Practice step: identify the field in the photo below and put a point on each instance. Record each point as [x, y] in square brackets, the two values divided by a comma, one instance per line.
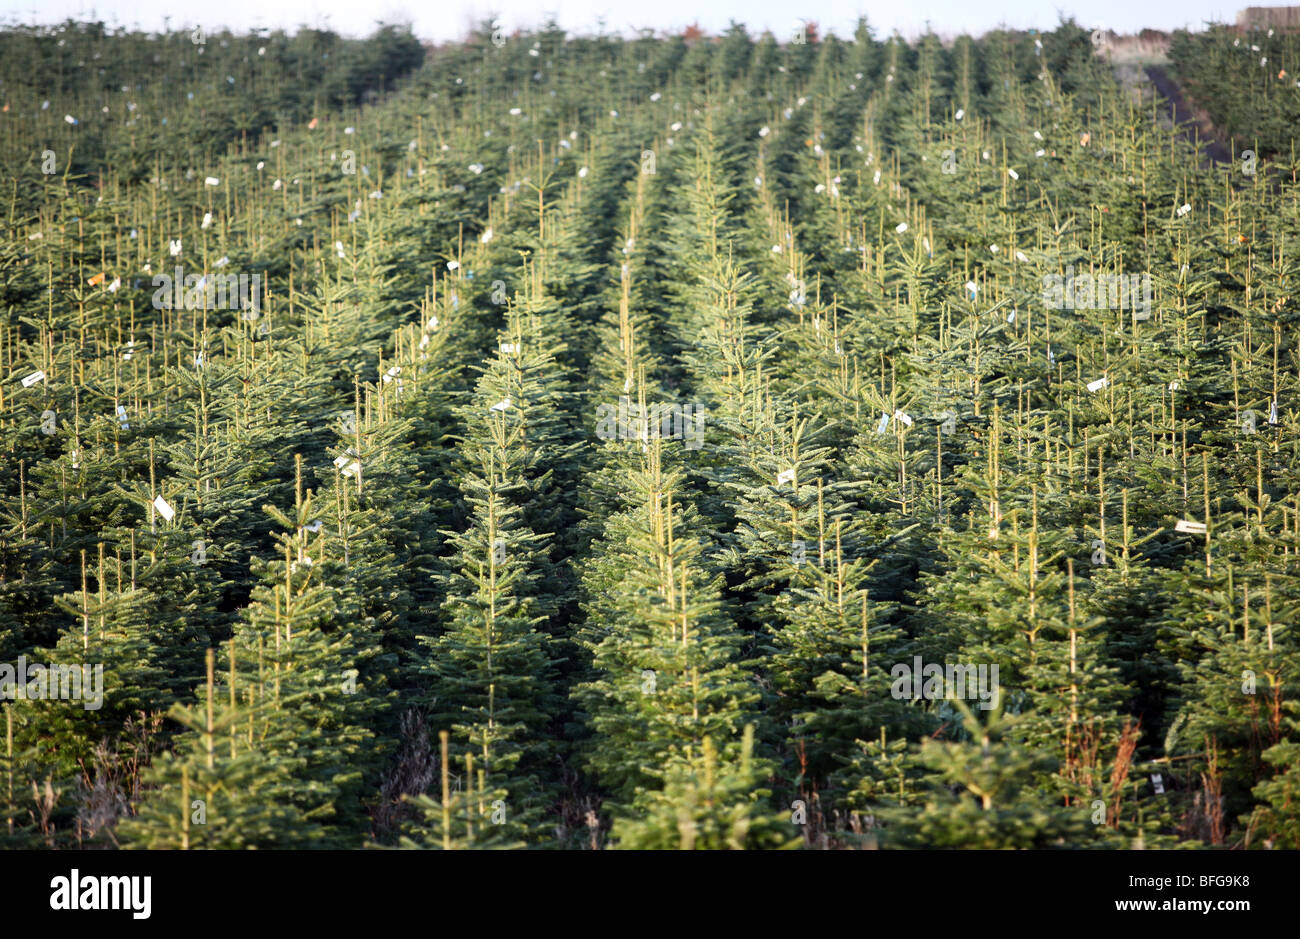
[582, 442]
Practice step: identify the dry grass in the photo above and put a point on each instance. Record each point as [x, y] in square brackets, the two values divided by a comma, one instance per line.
[1145, 49]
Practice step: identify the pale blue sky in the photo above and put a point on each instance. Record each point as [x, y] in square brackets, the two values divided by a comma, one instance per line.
[449, 19]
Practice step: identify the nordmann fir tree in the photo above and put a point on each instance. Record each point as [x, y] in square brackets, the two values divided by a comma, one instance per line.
[220, 788]
[490, 672]
[666, 673]
[306, 661]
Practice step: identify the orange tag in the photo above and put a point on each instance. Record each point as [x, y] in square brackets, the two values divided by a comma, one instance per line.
[97, 279]
[312, 125]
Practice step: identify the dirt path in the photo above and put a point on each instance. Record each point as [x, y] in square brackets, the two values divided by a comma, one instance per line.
[1142, 68]
[1193, 126]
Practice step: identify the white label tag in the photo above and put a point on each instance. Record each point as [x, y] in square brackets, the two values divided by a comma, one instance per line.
[165, 510]
[348, 464]
[1192, 528]
[33, 378]
[900, 416]
[1100, 383]
[785, 476]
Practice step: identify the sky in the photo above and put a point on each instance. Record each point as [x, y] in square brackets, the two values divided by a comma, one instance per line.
[440, 20]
